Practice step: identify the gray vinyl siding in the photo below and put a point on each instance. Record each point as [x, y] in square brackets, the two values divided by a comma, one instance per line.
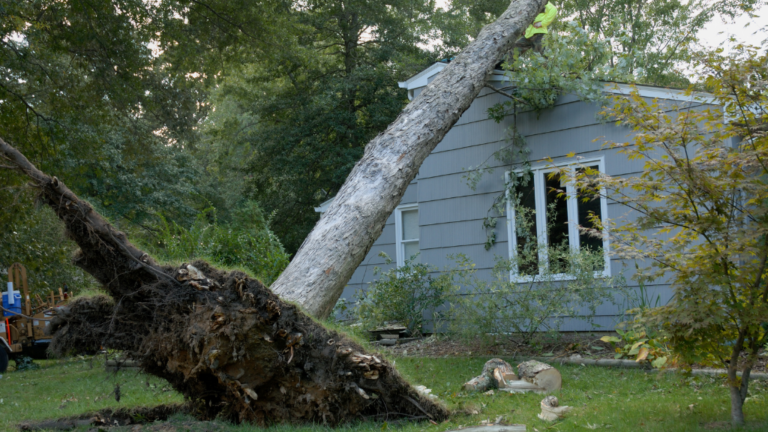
[451, 213]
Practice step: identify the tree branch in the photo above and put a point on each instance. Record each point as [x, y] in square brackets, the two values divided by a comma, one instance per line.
[506, 94]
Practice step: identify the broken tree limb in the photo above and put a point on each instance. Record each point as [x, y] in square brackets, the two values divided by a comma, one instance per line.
[337, 245]
[223, 340]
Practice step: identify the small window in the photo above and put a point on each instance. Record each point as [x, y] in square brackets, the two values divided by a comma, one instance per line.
[407, 231]
[546, 201]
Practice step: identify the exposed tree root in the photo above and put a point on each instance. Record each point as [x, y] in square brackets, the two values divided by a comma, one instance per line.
[225, 341]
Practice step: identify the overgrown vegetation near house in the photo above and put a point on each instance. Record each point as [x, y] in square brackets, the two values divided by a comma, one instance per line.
[525, 300]
[247, 243]
[410, 295]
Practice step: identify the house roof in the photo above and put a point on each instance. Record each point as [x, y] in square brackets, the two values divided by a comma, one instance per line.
[423, 78]
[426, 76]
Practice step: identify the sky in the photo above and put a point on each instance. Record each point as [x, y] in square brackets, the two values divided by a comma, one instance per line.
[717, 32]
[744, 29]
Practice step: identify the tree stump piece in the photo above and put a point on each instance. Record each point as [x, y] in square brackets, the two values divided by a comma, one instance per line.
[496, 374]
[551, 409]
[542, 375]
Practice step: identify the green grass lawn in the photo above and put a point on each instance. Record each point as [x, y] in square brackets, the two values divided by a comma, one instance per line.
[619, 400]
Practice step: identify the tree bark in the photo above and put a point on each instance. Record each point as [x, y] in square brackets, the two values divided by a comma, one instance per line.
[337, 245]
[737, 387]
[737, 405]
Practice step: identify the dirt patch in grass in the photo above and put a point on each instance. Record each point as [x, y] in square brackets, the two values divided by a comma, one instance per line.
[587, 345]
[184, 426]
[108, 418]
[718, 425]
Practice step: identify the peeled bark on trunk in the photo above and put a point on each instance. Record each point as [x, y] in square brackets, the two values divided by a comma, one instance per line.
[225, 341]
[339, 242]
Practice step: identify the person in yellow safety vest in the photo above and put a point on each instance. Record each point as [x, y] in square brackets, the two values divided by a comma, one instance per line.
[534, 34]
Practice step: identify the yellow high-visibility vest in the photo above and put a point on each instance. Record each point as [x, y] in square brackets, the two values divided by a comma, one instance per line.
[546, 18]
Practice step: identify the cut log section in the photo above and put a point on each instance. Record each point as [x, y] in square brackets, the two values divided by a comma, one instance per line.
[496, 374]
[542, 375]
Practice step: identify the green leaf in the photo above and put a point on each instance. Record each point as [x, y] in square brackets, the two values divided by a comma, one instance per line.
[659, 362]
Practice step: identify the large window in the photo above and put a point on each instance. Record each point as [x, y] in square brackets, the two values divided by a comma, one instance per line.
[407, 231]
[545, 209]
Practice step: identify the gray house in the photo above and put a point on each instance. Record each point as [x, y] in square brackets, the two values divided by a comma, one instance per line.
[440, 215]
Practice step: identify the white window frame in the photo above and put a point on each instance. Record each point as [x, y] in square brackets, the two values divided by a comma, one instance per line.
[400, 244]
[539, 183]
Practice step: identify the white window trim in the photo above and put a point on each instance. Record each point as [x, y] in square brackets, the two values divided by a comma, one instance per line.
[400, 244]
[541, 224]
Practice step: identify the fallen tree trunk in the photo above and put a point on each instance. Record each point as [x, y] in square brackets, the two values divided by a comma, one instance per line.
[337, 245]
[228, 343]
[225, 341]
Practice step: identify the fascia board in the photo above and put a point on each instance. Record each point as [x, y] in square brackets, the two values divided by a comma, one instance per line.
[421, 79]
[661, 93]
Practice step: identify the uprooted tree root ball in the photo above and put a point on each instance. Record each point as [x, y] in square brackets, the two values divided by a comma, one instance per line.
[225, 341]
[238, 351]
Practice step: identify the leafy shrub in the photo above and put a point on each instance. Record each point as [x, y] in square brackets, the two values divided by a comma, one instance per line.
[636, 343]
[247, 243]
[640, 340]
[403, 295]
[523, 308]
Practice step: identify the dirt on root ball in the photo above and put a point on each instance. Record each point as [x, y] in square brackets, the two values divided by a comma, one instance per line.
[235, 350]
